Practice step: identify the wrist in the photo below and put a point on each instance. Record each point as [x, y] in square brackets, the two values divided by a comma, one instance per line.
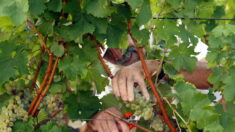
[152, 65]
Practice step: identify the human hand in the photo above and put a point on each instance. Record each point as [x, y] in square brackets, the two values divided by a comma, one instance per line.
[108, 123]
[124, 80]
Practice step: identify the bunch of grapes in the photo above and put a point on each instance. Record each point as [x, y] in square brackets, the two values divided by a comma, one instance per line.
[141, 107]
[52, 103]
[157, 124]
[11, 113]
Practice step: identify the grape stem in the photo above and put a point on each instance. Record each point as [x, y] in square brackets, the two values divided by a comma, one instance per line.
[126, 121]
[148, 77]
[98, 45]
[43, 41]
[174, 111]
[37, 71]
[53, 114]
[46, 89]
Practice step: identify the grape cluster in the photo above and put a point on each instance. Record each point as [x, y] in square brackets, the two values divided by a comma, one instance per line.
[11, 113]
[141, 107]
[53, 103]
[157, 124]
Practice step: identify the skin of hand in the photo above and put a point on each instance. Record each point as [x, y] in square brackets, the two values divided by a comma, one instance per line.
[124, 80]
[108, 125]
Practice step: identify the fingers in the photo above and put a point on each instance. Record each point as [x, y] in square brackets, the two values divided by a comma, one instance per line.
[115, 86]
[122, 87]
[112, 126]
[142, 86]
[123, 126]
[130, 89]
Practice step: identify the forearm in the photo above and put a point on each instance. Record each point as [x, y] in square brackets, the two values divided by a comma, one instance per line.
[199, 77]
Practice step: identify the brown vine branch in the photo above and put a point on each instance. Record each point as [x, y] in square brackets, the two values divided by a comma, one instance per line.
[43, 41]
[134, 124]
[100, 57]
[37, 71]
[43, 84]
[153, 87]
[47, 87]
[53, 114]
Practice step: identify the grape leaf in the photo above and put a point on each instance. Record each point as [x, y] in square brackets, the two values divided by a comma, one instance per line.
[109, 101]
[20, 126]
[82, 105]
[135, 3]
[75, 31]
[142, 36]
[181, 59]
[73, 66]
[99, 8]
[36, 7]
[15, 9]
[11, 64]
[55, 5]
[145, 13]
[46, 27]
[4, 99]
[115, 35]
[223, 30]
[229, 90]
[57, 49]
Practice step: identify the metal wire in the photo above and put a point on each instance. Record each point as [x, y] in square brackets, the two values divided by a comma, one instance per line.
[193, 19]
[183, 18]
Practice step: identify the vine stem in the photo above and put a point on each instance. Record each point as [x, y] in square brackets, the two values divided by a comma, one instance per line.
[43, 41]
[53, 114]
[126, 121]
[43, 84]
[174, 111]
[37, 71]
[98, 45]
[46, 89]
[159, 68]
[148, 77]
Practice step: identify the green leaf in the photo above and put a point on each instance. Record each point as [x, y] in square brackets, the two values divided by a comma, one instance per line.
[180, 56]
[223, 30]
[229, 89]
[55, 5]
[83, 105]
[145, 13]
[73, 66]
[13, 61]
[77, 30]
[20, 126]
[57, 88]
[4, 100]
[109, 101]
[15, 9]
[46, 27]
[115, 35]
[36, 7]
[99, 8]
[57, 49]
[142, 36]
[5, 22]
[135, 3]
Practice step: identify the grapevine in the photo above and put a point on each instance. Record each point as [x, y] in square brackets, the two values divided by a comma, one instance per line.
[56, 55]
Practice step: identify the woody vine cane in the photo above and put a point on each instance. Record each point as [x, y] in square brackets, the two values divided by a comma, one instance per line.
[49, 74]
[148, 77]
